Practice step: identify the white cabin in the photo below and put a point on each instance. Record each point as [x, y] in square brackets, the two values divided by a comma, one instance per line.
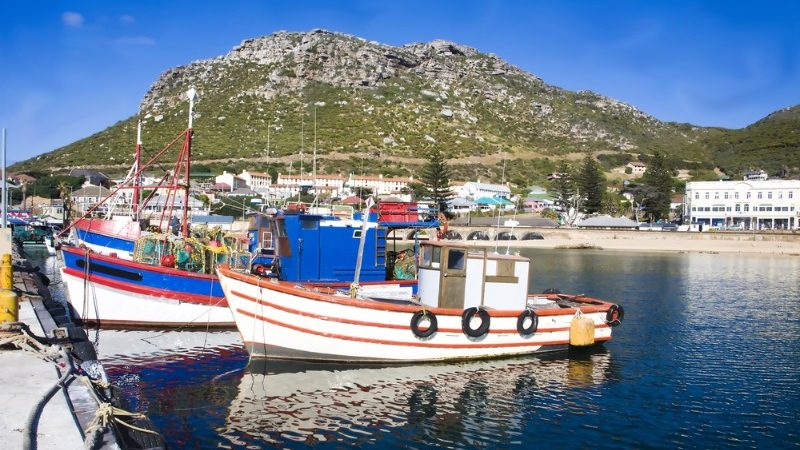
[457, 277]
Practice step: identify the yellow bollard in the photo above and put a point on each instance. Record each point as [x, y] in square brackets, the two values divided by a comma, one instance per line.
[9, 306]
[6, 274]
[581, 331]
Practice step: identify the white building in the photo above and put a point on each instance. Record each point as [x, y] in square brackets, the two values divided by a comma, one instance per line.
[380, 185]
[747, 204]
[475, 190]
[257, 181]
[232, 180]
[637, 168]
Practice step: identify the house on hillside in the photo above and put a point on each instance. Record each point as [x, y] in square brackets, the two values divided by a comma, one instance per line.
[231, 180]
[88, 196]
[637, 168]
[90, 176]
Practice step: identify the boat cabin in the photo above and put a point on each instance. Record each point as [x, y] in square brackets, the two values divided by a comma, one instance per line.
[453, 276]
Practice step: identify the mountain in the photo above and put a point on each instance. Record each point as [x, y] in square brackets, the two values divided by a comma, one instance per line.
[379, 108]
[772, 144]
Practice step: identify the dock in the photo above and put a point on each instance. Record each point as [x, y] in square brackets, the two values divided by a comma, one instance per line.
[56, 393]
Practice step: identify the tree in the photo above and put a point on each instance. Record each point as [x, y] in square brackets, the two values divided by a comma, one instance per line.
[435, 176]
[592, 185]
[658, 178]
[563, 186]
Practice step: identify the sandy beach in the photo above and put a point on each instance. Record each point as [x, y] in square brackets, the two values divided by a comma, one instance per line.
[656, 241]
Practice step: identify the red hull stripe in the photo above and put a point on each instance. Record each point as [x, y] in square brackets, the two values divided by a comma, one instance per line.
[379, 325]
[171, 325]
[399, 343]
[289, 288]
[162, 293]
[137, 265]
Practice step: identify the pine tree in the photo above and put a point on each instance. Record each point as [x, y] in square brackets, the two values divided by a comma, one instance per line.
[591, 183]
[658, 178]
[435, 176]
[563, 186]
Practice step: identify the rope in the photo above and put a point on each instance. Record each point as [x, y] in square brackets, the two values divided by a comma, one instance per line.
[29, 344]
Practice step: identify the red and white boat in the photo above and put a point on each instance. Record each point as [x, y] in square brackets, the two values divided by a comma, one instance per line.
[470, 304]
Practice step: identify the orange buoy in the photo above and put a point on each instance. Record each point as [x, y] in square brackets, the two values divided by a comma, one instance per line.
[581, 331]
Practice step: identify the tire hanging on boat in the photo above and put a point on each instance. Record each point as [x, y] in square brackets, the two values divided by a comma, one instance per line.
[532, 327]
[615, 315]
[417, 319]
[466, 320]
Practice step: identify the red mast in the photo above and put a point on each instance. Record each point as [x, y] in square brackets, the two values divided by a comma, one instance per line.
[185, 225]
[137, 177]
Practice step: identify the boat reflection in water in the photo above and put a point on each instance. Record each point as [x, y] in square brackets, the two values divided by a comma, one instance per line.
[458, 403]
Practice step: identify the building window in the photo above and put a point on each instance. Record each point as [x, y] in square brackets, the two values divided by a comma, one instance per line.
[694, 209]
[716, 195]
[736, 195]
[748, 195]
[746, 207]
[790, 194]
[728, 209]
[769, 194]
[738, 208]
[780, 194]
[697, 196]
[760, 195]
[726, 196]
[707, 194]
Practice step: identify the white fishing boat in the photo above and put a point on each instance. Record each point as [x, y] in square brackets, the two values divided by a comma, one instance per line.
[470, 304]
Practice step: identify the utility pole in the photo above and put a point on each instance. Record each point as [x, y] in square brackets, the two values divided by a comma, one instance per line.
[5, 184]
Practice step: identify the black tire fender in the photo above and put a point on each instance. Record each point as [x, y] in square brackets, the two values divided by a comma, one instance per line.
[614, 315]
[466, 319]
[417, 319]
[530, 329]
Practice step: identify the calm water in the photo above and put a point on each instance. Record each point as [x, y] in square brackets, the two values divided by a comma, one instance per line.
[708, 356]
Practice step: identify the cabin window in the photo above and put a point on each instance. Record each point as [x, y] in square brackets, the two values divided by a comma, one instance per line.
[504, 272]
[280, 228]
[426, 256]
[356, 234]
[456, 259]
[436, 256]
[266, 239]
[310, 224]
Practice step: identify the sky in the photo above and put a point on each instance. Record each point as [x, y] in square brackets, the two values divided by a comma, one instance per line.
[69, 69]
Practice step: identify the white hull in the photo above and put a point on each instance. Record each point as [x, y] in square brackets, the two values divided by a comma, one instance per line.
[116, 307]
[279, 320]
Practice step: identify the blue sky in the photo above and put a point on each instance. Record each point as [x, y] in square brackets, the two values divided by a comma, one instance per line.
[69, 69]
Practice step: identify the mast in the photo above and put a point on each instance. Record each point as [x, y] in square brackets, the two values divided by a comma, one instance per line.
[315, 147]
[137, 179]
[302, 138]
[185, 225]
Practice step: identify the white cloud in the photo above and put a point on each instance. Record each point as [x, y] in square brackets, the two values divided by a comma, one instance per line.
[127, 18]
[72, 19]
[135, 40]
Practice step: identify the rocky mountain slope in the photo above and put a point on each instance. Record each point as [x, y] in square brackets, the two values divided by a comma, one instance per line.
[371, 107]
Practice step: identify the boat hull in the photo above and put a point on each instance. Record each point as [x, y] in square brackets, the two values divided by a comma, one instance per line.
[283, 321]
[108, 237]
[116, 293]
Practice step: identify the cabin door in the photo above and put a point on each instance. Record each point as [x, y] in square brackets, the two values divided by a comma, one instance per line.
[453, 277]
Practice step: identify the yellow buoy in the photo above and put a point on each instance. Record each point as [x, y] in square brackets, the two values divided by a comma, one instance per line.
[6, 274]
[9, 306]
[581, 331]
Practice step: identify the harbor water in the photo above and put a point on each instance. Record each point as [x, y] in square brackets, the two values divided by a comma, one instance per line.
[708, 357]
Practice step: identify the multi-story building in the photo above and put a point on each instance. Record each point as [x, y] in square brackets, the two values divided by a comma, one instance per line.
[475, 190]
[746, 204]
[321, 180]
[380, 185]
[257, 181]
[231, 180]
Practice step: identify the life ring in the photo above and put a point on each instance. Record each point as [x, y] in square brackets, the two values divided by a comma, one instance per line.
[532, 327]
[466, 320]
[417, 319]
[615, 315]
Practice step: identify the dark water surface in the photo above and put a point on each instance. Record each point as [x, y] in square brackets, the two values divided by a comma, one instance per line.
[708, 356]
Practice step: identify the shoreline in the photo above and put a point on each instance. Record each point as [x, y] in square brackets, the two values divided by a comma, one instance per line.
[652, 241]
